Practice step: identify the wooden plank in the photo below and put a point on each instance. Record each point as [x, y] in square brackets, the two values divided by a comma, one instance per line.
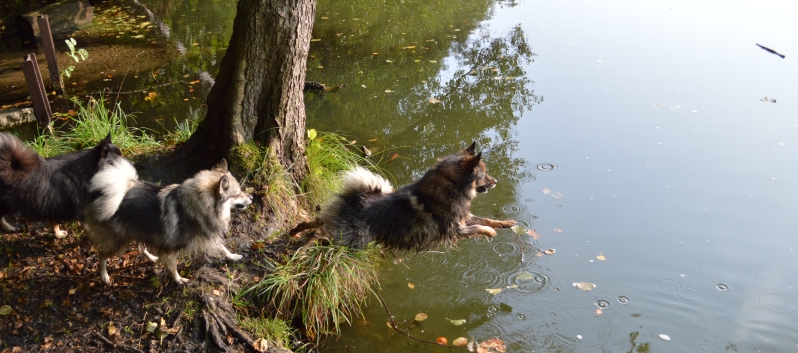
[49, 52]
[33, 78]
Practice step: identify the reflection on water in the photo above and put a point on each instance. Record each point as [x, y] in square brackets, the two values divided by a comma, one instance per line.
[653, 166]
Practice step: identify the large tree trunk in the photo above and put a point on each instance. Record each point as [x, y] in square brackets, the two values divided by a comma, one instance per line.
[258, 91]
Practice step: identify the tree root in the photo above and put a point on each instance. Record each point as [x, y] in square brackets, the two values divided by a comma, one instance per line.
[220, 321]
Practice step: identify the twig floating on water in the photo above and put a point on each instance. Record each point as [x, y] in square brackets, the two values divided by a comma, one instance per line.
[771, 51]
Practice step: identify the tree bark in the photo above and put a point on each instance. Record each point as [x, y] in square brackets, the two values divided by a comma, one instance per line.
[258, 91]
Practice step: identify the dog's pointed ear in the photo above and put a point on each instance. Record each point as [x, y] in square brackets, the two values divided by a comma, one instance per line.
[107, 139]
[473, 162]
[224, 184]
[471, 149]
[221, 166]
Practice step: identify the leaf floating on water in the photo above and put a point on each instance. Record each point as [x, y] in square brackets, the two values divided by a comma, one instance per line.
[664, 337]
[533, 233]
[494, 291]
[394, 156]
[658, 105]
[584, 285]
[524, 276]
[457, 322]
[411, 285]
[373, 140]
[598, 312]
[557, 230]
[315, 40]
[388, 61]
[556, 195]
[352, 142]
[601, 257]
[433, 61]
[513, 286]
[492, 345]
[460, 342]
[388, 91]
[421, 317]
[546, 191]
[549, 251]
[434, 100]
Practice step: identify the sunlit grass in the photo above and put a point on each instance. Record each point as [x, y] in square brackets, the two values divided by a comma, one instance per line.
[276, 331]
[324, 286]
[94, 121]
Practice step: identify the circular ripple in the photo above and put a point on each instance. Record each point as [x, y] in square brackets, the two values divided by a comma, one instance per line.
[776, 302]
[505, 319]
[704, 348]
[546, 167]
[505, 248]
[623, 299]
[525, 222]
[529, 200]
[704, 268]
[666, 230]
[722, 287]
[708, 339]
[513, 209]
[521, 279]
[558, 205]
[521, 317]
[602, 304]
[688, 294]
[486, 277]
[669, 285]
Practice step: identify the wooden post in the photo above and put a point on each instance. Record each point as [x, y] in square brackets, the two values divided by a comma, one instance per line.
[33, 78]
[49, 52]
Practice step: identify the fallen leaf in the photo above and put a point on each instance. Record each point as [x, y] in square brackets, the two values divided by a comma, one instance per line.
[524, 276]
[442, 340]
[434, 101]
[388, 61]
[420, 317]
[534, 234]
[664, 337]
[372, 140]
[557, 230]
[494, 291]
[598, 312]
[546, 191]
[151, 326]
[111, 329]
[457, 322]
[389, 324]
[433, 61]
[394, 156]
[460, 342]
[584, 285]
[352, 142]
[388, 91]
[493, 344]
[260, 345]
[5, 310]
[411, 285]
[169, 331]
[601, 257]
[549, 251]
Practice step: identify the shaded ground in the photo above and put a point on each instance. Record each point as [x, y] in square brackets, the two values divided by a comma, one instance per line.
[58, 303]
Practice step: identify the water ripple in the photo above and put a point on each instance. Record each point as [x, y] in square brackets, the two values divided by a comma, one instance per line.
[546, 167]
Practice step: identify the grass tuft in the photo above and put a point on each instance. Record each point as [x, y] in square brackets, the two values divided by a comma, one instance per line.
[324, 286]
[276, 331]
[94, 121]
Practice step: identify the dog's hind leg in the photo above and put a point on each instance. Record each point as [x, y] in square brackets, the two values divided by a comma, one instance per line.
[104, 270]
[170, 260]
[149, 256]
[489, 222]
[477, 229]
[57, 230]
[7, 227]
[305, 226]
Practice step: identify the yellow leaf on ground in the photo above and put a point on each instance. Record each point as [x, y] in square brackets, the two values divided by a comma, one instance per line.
[260, 345]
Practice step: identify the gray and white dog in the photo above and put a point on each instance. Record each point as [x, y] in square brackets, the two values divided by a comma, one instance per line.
[167, 220]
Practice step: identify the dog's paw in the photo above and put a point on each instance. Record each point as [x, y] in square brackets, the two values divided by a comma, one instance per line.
[149, 256]
[7, 227]
[235, 257]
[507, 223]
[181, 280]
[487, 231]
[59, 233]
[104, 277]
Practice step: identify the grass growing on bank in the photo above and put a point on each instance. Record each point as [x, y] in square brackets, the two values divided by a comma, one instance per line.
[328, 155]
[324, 286]
[94, 120]
[276, 331]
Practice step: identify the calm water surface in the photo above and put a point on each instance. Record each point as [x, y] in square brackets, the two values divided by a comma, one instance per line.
[632, 137]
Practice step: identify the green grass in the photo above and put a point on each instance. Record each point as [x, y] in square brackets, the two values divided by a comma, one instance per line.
[324, 286]
[276, 331]
[94, 121]
[328, 156]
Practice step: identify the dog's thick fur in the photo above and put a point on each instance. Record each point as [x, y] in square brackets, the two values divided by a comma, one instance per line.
[168, 221]
[434, 210]
[52, 189]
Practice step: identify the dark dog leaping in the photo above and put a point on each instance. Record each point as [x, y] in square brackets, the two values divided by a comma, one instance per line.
[434, 210]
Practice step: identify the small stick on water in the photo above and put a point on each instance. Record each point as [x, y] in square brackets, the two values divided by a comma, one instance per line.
[395, 326]
[770, 50]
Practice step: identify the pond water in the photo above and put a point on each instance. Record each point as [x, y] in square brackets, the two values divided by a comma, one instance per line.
[634, 138]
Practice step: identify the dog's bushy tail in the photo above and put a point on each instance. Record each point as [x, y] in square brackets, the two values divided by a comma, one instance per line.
[110, 185]
[16, 158]
[361, 180]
